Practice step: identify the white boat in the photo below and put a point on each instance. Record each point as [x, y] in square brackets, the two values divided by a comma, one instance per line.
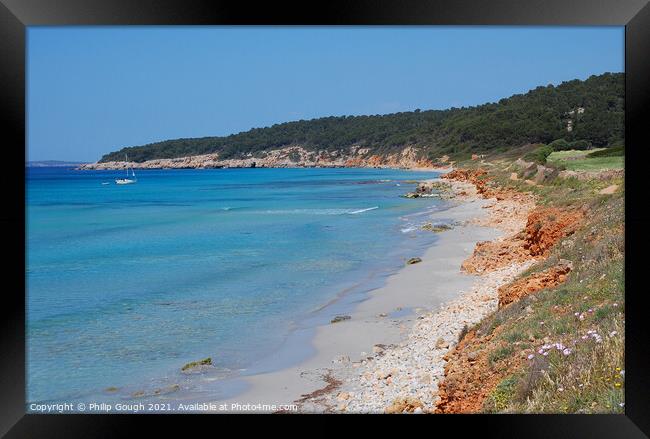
[127, 180]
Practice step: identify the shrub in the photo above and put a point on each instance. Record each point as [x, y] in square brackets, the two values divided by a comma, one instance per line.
[560, 145]
[615, 151]
[540, 154]
[580, 144]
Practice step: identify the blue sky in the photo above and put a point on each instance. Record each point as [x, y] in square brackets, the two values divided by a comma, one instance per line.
[92, 90]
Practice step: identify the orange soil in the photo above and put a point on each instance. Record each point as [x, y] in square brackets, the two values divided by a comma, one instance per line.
[545, 227]
[538, 281]
[469, 375]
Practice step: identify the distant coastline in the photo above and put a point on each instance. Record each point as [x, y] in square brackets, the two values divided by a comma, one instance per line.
[52, 164]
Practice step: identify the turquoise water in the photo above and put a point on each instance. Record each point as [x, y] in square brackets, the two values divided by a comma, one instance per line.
[125, 284]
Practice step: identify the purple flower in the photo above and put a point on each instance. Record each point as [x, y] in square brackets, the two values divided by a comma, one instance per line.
[567, 351]
[531, 356]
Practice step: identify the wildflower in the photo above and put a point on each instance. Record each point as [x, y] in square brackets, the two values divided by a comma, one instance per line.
[531, 356]
[591, 310]
[617, 384]
[545, 354]
[622, 404]
[613, 333]
[541, 351]
[582, 317]
[576, 314]
[580, 385]
[541, 323]
[615, 304]
[584, 337]
[567, 351]
[623, 373]
[560, 389]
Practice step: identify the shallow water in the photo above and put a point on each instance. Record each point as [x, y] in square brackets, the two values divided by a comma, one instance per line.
[125, 284]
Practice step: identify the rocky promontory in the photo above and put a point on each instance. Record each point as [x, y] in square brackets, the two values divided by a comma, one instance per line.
[287, 157]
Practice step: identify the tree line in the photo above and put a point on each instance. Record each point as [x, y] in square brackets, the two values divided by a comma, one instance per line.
[587, 114]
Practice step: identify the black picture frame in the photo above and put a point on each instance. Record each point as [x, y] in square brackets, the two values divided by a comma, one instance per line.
[16, 15]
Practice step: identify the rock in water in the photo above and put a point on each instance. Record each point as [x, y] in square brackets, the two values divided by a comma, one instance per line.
[197, 366]
[436, 228]
[413, 261]
[340, 319]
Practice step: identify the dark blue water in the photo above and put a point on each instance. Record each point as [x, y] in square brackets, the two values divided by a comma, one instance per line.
[125, 284]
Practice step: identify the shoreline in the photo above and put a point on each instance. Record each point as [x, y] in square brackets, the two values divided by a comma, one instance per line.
[383, 324]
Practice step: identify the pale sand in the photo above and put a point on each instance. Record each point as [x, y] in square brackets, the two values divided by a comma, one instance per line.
[422, 287]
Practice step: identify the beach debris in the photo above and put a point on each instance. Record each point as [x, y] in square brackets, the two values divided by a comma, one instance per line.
[341, 359]
[111, 389]
[197, 366]
[412, 261]
[343, 396]
[338, 319]
[441, 343]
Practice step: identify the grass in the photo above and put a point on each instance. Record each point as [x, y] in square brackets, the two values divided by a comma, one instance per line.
[595, 164]
[570, 154]
[575, 160]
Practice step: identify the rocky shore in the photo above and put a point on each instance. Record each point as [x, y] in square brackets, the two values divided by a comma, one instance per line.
[287, 157]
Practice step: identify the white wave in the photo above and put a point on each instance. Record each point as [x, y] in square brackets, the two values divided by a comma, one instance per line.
[332, 211]
[354, 212]
[305, 212]
[408, 229]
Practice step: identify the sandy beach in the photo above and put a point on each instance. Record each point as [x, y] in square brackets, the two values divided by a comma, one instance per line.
[378, 355]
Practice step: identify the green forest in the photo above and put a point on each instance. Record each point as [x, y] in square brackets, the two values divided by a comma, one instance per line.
[538, 116]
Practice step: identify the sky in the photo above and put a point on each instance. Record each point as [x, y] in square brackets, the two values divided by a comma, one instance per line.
[93, 90]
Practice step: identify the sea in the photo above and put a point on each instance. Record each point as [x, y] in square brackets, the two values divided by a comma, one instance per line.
[125, 284]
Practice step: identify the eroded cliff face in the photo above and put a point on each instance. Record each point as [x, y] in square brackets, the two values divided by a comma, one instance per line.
[288, 157]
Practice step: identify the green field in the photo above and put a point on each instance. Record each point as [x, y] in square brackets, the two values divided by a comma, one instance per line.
[578, 161]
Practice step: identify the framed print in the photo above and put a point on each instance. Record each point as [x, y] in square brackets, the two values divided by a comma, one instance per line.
[379, 209]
